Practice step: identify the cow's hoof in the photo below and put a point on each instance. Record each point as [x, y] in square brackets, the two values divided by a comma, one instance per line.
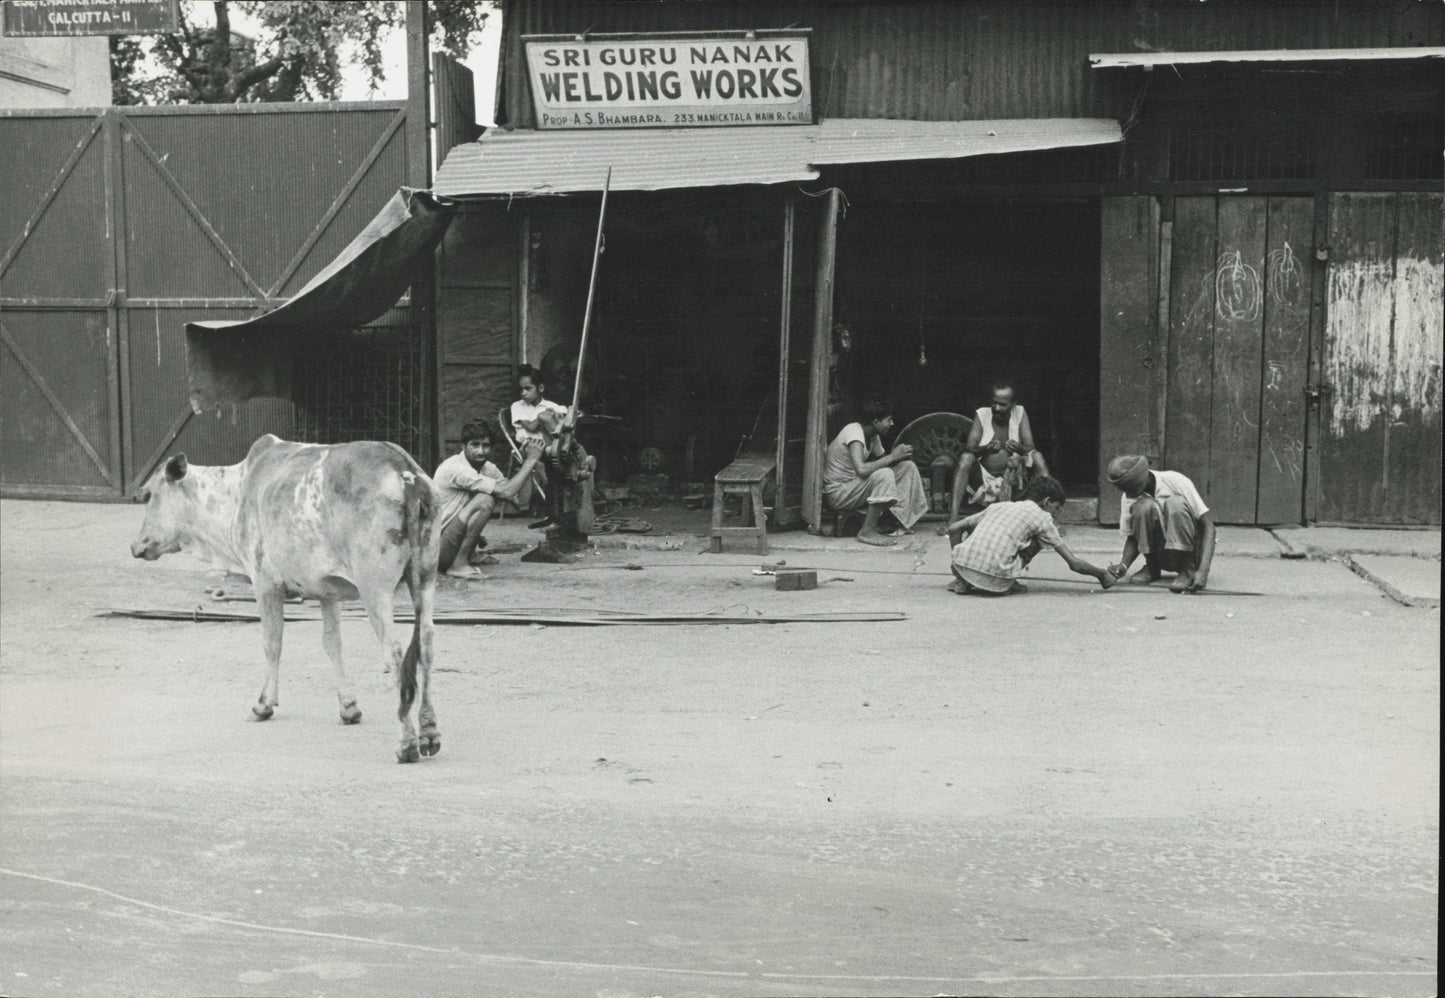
[430, 744]
[408, 753]
[262, 712]
[350, 713]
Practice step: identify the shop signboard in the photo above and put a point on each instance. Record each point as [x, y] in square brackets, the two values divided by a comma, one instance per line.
[670, 80]
[84, 17]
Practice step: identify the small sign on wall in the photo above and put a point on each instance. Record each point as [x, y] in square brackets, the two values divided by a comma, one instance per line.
[83, 17]
[670, 80]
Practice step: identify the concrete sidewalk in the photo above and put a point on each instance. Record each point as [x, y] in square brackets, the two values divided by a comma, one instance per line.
[1404, 564]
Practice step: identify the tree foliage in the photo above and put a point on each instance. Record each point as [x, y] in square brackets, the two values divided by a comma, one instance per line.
[298, 53]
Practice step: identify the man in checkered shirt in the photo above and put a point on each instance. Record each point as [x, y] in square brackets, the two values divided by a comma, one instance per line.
[1003, 539]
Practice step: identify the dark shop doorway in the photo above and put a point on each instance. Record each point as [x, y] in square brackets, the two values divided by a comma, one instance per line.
[939, 300]
[685, 332]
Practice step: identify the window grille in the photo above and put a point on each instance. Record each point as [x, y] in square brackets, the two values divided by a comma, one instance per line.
[1268, 149]
[367, 385]
[1405, 147]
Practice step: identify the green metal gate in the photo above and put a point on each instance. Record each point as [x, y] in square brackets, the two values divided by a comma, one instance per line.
[120, 226]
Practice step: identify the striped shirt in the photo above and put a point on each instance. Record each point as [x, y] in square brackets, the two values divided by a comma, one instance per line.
[989, 556]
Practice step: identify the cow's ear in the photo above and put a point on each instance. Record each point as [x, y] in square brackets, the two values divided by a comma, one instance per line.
[176, 468]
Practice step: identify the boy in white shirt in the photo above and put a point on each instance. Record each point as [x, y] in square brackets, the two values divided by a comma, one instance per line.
[533, 416]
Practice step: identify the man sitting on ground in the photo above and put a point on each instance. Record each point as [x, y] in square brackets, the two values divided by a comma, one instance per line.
[471, 486]
[859, 474]
[1004, 538]
[1001, 445]
[1163, 517]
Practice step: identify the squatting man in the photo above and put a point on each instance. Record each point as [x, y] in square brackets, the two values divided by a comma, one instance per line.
[471, 486]
[1162, 517]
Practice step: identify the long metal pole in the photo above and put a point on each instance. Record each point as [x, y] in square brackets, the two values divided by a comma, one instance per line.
[591, 291]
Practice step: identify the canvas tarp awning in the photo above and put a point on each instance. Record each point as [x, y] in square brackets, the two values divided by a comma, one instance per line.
[230, 361]
[526, 162]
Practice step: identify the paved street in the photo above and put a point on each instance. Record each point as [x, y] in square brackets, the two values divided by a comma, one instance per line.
[1067, 792]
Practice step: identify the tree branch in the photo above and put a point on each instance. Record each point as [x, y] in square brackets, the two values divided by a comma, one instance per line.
[253, 76]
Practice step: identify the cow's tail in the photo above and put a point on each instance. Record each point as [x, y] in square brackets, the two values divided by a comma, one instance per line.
[418, 517]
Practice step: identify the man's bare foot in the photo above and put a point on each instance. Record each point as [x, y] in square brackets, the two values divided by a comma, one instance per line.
[1142, 577]
[1181, 582]
[463, 571]
[876, 539]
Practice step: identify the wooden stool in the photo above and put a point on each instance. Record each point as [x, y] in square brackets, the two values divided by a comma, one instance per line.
[745, 477]
[836, 521]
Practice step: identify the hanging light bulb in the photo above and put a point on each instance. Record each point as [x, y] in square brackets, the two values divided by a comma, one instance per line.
[922, 356]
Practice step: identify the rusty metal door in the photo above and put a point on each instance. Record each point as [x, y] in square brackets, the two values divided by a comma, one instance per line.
[1380, 394]
[1238, 352]
[1133, 241]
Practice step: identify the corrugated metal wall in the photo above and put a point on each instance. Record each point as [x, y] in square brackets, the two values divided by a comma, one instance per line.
[946, 61]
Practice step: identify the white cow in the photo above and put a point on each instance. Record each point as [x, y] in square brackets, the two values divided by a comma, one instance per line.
[331, 522]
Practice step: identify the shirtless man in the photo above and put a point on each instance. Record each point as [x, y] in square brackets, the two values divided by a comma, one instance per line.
[1163, 517]
[1001, 443]
[858, 473]
[471, 486]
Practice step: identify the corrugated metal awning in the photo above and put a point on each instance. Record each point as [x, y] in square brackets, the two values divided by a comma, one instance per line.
[525, 162]
[1104, 60]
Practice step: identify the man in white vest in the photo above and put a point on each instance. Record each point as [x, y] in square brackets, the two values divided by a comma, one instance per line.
[1001, 446]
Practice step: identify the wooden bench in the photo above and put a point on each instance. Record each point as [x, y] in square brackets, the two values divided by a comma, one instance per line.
[746, 477]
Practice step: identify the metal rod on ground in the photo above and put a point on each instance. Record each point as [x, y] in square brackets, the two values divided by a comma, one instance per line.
[1118, 587]
[1127, 587]
[591, 292]
[201, 615]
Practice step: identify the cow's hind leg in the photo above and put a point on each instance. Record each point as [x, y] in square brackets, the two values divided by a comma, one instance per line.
[379, 609]
[423, 600]
[331, 641]
[271, 600]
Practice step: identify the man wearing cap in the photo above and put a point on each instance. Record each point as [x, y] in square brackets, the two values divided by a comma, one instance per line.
[1163, 517]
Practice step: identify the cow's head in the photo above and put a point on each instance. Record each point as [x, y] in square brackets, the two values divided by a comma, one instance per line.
[169, 510]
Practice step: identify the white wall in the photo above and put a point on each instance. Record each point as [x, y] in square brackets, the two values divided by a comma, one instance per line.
[54, 72]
